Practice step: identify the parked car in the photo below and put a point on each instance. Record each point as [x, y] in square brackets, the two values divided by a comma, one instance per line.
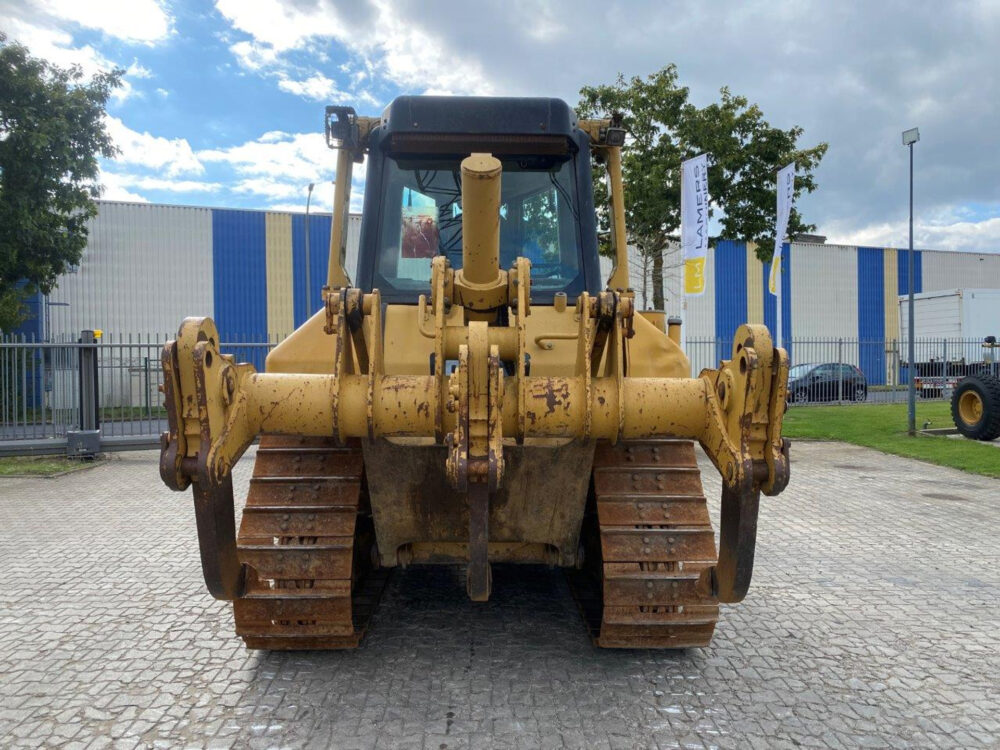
[826, 382]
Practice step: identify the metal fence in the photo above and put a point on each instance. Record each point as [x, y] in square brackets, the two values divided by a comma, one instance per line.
[40, 386]
[40, 382]
[844, 370]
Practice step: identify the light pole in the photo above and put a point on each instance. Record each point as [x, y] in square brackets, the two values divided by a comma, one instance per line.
[910, 137]
[308, 292]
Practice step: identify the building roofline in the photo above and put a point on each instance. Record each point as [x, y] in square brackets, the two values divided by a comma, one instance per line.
[150, 204]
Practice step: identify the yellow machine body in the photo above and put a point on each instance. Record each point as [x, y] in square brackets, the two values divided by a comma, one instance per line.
[473, 425]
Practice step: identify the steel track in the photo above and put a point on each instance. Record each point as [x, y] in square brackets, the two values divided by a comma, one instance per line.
[646, 538]
[308, 541]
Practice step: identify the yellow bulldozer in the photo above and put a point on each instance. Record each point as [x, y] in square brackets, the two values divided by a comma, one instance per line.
[477, 395]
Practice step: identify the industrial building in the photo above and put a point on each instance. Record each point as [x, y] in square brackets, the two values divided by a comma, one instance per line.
[148, 266]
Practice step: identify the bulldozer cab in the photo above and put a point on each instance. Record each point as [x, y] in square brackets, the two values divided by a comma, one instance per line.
[413, 193]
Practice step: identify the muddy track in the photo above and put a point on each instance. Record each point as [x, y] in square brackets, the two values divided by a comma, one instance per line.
[646, 538]
[308, 541]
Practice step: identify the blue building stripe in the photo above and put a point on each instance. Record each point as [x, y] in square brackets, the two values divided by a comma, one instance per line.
[32, 328]
[239, 265]
[319, 255]
[871, 314]
[903, 268]
[29, 384]
[730, 292]
[771, 302]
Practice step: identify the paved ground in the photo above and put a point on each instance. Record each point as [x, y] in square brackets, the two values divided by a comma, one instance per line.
[874, 620]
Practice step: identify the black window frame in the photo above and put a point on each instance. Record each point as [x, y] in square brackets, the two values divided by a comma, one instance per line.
[368, 249]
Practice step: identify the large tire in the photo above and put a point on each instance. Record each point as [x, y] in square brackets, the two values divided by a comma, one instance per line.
[975, 407]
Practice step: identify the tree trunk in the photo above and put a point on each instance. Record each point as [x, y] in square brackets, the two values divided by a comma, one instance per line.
[658, 303]
[645, 280]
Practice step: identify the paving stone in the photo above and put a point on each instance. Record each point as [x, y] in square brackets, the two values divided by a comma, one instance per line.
[873, 621]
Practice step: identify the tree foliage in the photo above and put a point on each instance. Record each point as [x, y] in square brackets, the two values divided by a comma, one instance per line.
[51, 136]
[664, 128]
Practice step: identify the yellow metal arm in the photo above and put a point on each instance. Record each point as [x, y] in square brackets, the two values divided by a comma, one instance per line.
[619, 274]
[734, 411]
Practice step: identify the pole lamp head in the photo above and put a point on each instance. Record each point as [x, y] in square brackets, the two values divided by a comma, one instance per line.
[311, 186]
[911, 136]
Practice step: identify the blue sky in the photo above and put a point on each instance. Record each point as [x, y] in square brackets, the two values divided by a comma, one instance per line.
[224, 100]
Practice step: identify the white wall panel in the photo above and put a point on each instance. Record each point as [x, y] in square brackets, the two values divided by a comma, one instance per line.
[971, 314]
[638, 270]
[824, 291]
[353, 243]
[641, 279]
[146, 267]
[606, 265]
[945, 270]
[700, 316]
[936, 315]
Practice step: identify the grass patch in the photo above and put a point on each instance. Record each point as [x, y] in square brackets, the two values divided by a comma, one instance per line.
[883, 427]
[118, 413]
[39, 466]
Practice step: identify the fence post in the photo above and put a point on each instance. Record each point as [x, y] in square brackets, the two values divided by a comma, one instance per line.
[85, 442]
[840, 370]
[897, 369]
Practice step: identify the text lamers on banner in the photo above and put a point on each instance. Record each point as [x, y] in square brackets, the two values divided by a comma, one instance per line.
[694, 222]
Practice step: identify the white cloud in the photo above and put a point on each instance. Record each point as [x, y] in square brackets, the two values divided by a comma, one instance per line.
[309, 84]
[138, 71]
[54, 45]
[146, 182]
[317, 87]
[41, 28]
[254, 56]
[946, 231]
[174, 156]
[383, 42]
[136, 21]
[302, 156]
[276, 168]
[115, 189]
[273, 189]
[281, 26]
[120, 186]
[545, 25]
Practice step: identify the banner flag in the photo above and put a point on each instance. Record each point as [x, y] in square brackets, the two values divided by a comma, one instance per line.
[694, 223]
[786, 192]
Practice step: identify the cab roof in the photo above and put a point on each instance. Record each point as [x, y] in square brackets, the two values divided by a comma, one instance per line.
[486, 115]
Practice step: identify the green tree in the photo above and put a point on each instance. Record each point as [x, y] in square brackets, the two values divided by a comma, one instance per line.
[664, 128]
[51, 135]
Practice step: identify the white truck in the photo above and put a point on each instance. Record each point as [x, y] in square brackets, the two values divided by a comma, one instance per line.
[955, 334]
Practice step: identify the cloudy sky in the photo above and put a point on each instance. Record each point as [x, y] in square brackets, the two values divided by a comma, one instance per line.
[223, 101]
